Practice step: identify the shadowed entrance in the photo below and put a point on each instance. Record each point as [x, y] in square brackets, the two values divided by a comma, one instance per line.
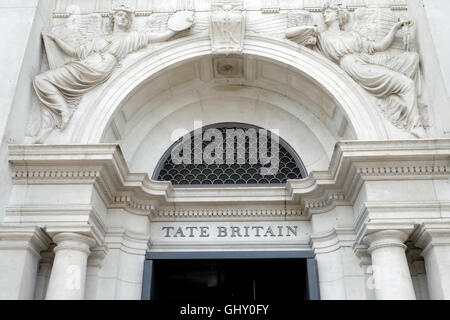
[249, 276]
[249, 280]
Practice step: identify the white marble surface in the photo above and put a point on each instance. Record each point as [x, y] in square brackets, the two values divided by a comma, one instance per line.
[392, 278]
[68, 276]
[355, 188]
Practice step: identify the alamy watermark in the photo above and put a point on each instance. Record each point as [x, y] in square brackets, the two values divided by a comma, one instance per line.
[235, 147]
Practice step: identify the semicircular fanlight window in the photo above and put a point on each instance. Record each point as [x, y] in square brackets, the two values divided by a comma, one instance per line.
[229, 154]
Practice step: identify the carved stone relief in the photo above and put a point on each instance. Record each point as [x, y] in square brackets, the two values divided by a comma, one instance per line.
[270, 6]
[227, 39]
[83, 52]
[227, 27]
[377, 52]
[376, 49]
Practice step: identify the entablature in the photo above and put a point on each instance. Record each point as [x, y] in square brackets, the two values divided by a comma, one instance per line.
[353, 164]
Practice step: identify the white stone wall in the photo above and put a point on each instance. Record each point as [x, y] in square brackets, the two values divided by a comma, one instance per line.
[360, 204]
[21, 60]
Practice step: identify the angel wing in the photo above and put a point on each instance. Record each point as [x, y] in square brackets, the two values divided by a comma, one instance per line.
[274, 25]
[375, 23]
[157, 22]
[300, 18]
[201, 24]
[75, 31]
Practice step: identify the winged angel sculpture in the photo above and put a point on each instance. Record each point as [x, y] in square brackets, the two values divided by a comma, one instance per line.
[372, 54]
[87, 56]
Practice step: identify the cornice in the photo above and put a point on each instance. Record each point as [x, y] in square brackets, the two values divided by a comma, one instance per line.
[352, 163]
[431, 234]
[59, 218]
[30, 238]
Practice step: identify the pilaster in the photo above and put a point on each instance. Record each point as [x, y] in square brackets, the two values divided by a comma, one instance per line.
[20, 248]
[434, 238]
[44, 272]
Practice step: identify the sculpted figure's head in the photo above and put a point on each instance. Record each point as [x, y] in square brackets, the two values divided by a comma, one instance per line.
[332, 13]
[122, 18]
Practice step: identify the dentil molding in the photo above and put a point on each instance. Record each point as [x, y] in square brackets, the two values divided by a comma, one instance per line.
[354, 162]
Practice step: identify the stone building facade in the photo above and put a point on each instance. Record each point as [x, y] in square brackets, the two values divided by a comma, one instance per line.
[96, 95]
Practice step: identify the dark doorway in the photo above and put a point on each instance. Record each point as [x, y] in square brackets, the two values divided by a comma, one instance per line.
[250, 280]
[227, 276]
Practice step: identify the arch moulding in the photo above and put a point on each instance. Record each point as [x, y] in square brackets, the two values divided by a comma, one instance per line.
[358, 107]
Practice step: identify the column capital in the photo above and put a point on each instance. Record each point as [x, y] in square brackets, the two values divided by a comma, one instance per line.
[431, 234]
[386, 238]
[73, 241]
[14, 237]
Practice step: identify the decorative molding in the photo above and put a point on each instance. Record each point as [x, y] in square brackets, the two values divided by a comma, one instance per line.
[227, 27]
[386, 238]
[353, 5]
[73, 241]
[227, 213]
[143, 13]
[364, 119]
[325, 242]
[83, 219]
[431, 234]
[270, 6]
[347, 236]
[398, 5]
[352, 164]
[326, 203]
[416, 170]
[19, 237]
[61, 15]
[133, 206]
[126, 241]
[52, 175]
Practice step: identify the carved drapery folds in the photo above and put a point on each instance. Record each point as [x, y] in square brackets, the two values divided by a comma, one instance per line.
[376, 52]
[83, 52]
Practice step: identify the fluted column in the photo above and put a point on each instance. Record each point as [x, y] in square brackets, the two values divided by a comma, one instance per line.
[390, 267]
[68, 277]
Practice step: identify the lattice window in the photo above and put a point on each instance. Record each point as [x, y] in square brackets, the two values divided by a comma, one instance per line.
[239, 173]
